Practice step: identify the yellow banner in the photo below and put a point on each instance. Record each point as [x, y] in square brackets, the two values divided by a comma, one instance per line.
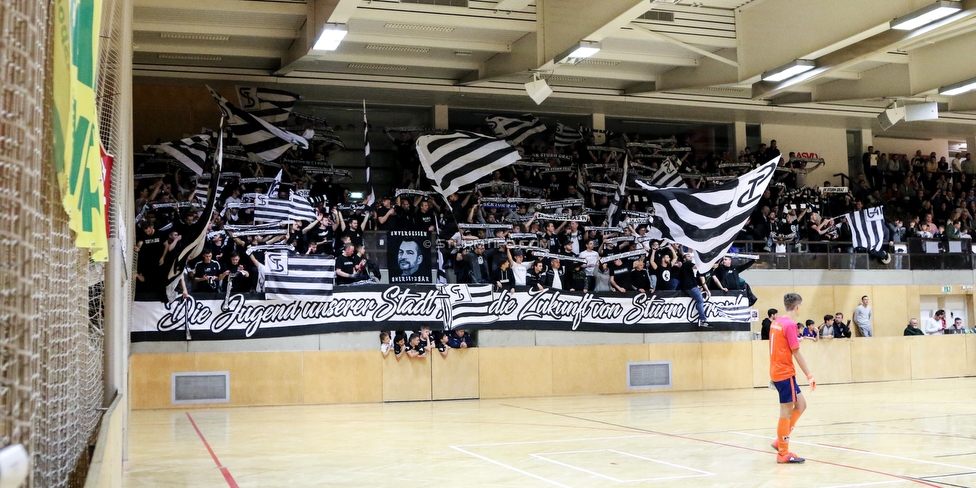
[77, 155]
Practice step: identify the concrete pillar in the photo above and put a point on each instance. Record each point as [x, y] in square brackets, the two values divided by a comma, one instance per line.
[970, 145]
[440, 117]
[867, 139]
[599, 124]
[740, 138]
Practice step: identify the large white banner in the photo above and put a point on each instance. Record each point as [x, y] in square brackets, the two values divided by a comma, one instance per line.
[400, 307]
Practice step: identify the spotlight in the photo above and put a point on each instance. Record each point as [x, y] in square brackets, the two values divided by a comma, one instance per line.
[579, 52]
[926, 15]
[330, 38]
[538, 89]
[789, 70]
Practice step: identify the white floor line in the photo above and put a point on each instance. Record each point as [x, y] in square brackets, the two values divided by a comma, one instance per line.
[557, 440]
[875, 483]
[954, 466]
[703, 473]
[498, 463]
[577, 468]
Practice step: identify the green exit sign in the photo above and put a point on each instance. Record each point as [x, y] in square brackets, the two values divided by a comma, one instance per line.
[946, 289]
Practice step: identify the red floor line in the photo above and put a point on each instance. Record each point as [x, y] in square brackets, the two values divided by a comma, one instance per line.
[224, 471]
[734, 446]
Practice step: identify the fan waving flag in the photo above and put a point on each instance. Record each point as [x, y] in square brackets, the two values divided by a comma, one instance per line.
[867, 228]
[291, 277]
[515, 129]
[191, 152]
[260, 139]
[566, 136]
[371, 197]
[667, 176]
[459, 158]
[273, 106]
[708, 220]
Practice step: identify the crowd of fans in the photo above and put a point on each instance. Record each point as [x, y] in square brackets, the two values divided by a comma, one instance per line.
[542, 222]
[419, 343]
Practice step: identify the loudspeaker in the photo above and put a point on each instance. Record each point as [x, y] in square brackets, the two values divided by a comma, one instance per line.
[922, 111]
[538, 91]
[891, 117]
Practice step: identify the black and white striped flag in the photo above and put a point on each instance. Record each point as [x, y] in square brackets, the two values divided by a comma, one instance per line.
[471, 309]
[515, 129]
[867, 228]
[296, 207]
[460, 158]
[273, 106]
[707, 220]
[291, 277]
[202, 189]
[371, 197]
[273, 187]
[260, 139]
[616, 205]
[191, 152]
[667, 176]
[566, 136]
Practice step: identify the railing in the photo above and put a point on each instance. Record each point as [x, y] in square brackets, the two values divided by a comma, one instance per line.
[914, 257]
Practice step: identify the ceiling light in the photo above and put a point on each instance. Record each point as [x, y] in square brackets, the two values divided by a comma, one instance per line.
[789, 70]
[926, 15]
[579, 52]
[330, 37]
[958, 88]
[538, 89]
[670, 2]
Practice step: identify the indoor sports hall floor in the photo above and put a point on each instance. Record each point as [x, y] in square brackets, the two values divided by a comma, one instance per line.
[907, 433]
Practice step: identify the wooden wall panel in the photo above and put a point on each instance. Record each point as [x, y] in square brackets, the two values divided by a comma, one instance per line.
[881, 359]
[508, 372]
[343, 377]
[939, 356]
[686, 363]
[829, 360]
[165, 120]
[150, 378]
[769, 297]
[971, 355]
[455, 376]
[889, 305]
[585, 370]
[848, 297]
[817, 302]
[407, 379]
[760, 363]
[726, 365]
[258, 378]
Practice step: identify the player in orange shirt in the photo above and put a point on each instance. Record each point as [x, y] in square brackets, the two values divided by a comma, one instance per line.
[784, 347]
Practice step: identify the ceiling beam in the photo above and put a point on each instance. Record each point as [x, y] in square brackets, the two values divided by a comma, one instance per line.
[213, 49]
[277, 8]
[947, 62]
[397, 60]
[677, 42]
[710, 72]
[645, 58]
[220, 30]
[890, 80]
[629, 32]
[607, 74]
[438, 17]
[456, 45]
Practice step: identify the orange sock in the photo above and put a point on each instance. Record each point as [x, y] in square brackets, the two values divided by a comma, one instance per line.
[793, 419]
[783, 433]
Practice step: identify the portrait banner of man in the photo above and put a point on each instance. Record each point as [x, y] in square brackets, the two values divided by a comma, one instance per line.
[408, 256]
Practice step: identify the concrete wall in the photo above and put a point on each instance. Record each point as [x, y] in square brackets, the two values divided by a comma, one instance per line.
[908, 146]
[829, 143]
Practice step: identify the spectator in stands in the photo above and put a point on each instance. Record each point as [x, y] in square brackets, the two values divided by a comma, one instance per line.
[399, 345]
[414, 348]
[207, 273]
[936, 325]
[385, 344]
[592, 262]
[767, 323]
[478, 264]
[348, 265]
[461, 339]
[442, 344]
[535, 279]
[841, 329]
[601, 278]
[620, 276]
[809, 331]
[237, 278]
[912, 329]
[520, 270]
[640, 278]
[692, 283]
[666, 269]
[957, 326]
[826, 329]
[726, 277]
[503, 277]
[862, 317]
[554, 276]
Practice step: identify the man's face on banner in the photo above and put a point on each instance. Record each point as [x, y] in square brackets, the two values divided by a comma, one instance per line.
[409, 257]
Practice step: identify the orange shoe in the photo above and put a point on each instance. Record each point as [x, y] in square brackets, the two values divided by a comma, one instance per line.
[789, 458]
[775, 445]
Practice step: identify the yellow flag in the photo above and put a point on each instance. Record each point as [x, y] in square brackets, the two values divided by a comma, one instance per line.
[77, 155]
